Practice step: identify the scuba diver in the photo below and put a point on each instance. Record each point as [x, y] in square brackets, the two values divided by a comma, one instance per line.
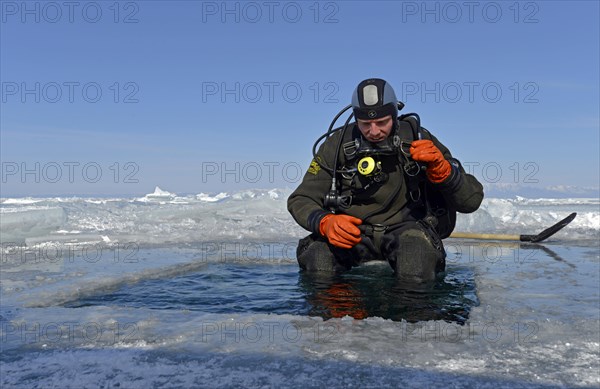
[380, 188]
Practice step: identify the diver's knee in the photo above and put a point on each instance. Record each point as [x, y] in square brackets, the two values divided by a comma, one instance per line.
[416, 255]
[313, 254]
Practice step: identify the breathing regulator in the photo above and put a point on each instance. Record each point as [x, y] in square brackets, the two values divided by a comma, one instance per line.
[373, 99]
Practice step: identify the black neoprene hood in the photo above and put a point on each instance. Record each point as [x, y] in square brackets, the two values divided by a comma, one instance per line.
[373, 99]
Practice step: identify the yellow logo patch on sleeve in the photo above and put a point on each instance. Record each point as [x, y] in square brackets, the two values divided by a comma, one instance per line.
[314, 167]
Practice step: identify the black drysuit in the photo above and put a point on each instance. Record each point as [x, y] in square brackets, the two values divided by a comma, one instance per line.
[388, 204]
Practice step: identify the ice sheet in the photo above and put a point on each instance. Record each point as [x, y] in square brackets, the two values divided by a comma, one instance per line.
[537, 324]
[163, 217]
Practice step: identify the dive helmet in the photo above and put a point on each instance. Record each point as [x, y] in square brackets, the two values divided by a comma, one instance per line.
[374, 98]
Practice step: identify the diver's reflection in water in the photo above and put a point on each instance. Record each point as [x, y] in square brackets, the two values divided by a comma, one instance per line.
[373, 291]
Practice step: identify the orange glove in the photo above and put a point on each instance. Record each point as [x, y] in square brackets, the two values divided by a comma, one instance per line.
[340, 230]
[438, 169]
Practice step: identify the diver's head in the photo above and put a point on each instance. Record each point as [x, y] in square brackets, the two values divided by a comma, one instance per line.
[375, 108]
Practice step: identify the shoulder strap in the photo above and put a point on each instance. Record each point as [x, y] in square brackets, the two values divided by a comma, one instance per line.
[407, 132]
[439, 215]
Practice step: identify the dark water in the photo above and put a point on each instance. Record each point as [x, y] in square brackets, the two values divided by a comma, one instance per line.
[368, 291]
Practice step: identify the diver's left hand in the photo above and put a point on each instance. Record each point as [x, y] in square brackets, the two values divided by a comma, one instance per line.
[438, 169]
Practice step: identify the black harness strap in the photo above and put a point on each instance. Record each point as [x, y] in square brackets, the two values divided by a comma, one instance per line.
[412, 170]
[376, 232]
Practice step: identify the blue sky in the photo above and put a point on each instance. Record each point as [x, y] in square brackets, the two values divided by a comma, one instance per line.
[106, 98]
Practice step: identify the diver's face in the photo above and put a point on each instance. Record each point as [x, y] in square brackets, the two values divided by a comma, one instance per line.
[376, 130]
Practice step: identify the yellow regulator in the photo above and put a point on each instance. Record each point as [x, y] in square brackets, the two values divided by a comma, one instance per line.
[367, 165]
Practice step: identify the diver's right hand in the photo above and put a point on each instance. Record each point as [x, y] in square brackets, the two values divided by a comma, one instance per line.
[341, 230]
